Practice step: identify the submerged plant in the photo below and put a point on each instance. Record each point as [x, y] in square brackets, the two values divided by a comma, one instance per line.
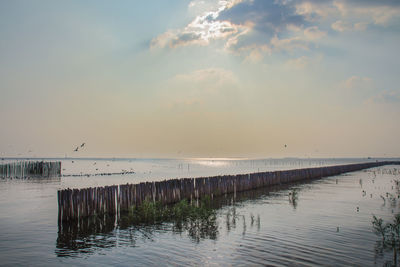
[390, 234]
[199, 220]
[379, 227]
[293, 197]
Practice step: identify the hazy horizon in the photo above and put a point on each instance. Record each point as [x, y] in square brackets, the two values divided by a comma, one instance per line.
[209, 79]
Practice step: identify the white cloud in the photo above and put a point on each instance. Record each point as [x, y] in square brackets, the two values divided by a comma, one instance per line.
[288, 44]
[208, 79]
[313, 33]
[380, 14]
[199, 88]
[357, 82]
[201, 30]
[360, 26]
[383, 15]
[343, 26]
[303, 62]
[314, 11]
[387, 97]
[348, 14]
[256, 53]
[298, 63]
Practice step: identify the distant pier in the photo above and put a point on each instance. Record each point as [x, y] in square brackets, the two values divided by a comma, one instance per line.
[74, 204]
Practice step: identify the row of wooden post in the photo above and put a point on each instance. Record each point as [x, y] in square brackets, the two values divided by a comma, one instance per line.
[23, 169]
[74, 204]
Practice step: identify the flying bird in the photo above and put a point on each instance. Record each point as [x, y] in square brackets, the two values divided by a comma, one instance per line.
[81, 146]
[285, 145]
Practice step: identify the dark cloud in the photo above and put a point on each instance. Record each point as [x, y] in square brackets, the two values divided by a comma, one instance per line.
[268, 16]
[280, 25]
[186, 38]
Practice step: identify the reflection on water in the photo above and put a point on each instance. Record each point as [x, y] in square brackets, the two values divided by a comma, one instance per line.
[90, 234]
[85, 235]
[329, 223]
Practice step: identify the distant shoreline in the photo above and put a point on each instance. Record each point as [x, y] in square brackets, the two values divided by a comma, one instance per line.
[198, 158]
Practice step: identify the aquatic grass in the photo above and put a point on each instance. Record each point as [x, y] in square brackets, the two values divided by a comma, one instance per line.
[379, 227]
[199, 220]
[293, 197]
[390, 234]
[154, 211]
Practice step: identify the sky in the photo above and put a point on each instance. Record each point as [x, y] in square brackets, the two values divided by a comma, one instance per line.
[200, 78]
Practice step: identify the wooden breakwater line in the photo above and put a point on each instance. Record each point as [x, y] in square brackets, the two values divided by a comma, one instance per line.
[99, 174]
[22, 169]
[74, 204]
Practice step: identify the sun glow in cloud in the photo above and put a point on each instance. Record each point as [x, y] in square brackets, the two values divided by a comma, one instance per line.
[203, 29]
[258, 26]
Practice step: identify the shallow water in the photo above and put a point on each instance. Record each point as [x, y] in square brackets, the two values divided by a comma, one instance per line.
[262, 227]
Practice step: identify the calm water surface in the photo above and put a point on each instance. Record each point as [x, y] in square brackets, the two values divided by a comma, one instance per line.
[328, 225]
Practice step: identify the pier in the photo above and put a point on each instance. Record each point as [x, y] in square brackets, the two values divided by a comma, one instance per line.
[74, 204]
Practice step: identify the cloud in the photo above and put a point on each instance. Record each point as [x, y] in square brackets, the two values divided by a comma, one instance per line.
[202, 6]
[314, 11]
[204, 87]
[298, 63]
[201, 30]
[207, 79]
[184, 104]
[342, 26]
[313, 33]
[255, 28]
[381, 15]
[387, 97]
[380, 12]
[303, 62]
[255, 53]
[288, 44]
[268, 17]
[241, 24]
[357, 82]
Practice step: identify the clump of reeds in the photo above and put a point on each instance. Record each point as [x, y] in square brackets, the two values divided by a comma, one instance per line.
[390, 234]
[293, 197]
[198, 219]
[154, 211]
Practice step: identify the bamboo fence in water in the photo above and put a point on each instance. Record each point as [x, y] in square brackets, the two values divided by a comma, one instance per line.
[23, 169]
[74, 204]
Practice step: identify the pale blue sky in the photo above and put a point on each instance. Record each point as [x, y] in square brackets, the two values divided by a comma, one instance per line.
[200, 78]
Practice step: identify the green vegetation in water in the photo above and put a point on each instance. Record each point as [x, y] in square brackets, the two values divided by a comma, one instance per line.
[390, 234]
[198, 219]
[153, 212]
[293, 197]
